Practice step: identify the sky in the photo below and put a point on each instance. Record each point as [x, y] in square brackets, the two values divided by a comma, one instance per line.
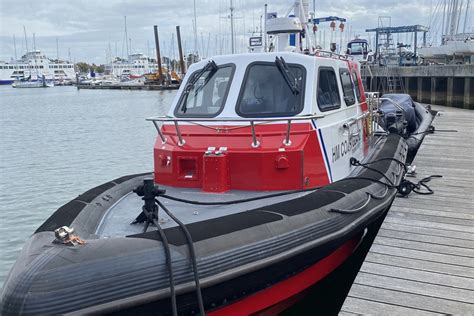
[91, 31]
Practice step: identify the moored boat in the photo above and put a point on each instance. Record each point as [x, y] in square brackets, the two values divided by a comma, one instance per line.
[268, 169]
[40, 82]
[33, 64]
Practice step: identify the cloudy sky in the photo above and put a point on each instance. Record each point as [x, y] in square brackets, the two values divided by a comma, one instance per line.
[88, 29]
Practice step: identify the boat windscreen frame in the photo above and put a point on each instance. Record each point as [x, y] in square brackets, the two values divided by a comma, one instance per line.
[183, 95]
[301, 90]
[364, 45]
[338, 84]
[349, 102]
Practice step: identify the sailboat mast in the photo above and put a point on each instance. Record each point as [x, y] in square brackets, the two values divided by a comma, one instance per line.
[232, 27]
[26, 39]
[466, 16]
[454, 18]
[126, 35]
[444, 16]
[195, 30]
[14, 47]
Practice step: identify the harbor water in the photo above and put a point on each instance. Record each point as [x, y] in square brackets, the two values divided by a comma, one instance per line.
[56, 143]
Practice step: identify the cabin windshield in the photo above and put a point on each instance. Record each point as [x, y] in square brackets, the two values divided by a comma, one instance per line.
[205, 95]
[357, 48]
[266, 92]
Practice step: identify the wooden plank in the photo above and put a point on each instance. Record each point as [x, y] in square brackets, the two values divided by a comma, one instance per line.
[433, 248]
[446, 241]
[455, 202]
[411, 300]
[363, 307]
[425, 205]
[344, 313]
[433, 219]
[419, 275]
[422, 255]
[427, 224]
[423, 211]
[441, 200]
[416, 287]
[427, 231]
[418, 264]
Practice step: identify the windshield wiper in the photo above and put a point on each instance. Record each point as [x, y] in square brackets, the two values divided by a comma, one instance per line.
[288, 75]
[211, 67]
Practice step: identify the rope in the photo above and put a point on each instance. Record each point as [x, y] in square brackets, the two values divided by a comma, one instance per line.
[407, 186]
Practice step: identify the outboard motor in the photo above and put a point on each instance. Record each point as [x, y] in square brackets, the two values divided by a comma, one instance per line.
[397, 114]
[395, 123]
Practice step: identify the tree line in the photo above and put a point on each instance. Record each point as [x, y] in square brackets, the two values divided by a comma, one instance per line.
[83, 67]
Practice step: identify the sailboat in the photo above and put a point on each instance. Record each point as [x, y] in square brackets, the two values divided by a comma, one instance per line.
[41, 82]
[455, 46]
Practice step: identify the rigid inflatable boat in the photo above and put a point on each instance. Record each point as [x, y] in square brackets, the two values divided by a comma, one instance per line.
[401, 115]
[268, 169]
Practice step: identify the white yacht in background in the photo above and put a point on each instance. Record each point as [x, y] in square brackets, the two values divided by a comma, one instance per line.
[33, 65]
[457, 46]
[136, 65]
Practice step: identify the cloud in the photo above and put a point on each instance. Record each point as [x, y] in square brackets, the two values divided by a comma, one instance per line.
[88, 28]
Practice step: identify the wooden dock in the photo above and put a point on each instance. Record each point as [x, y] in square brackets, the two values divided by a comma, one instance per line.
[129, 87]
[422, 260]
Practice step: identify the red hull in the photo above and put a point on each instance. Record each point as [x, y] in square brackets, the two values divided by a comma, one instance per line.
[282, 295]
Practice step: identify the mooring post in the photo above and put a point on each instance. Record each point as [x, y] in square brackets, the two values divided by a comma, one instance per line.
[181, 59]
[158, 54]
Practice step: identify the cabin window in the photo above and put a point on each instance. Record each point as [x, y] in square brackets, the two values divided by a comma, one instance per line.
[266, 92]
[205, 92]
[347, 87]
[357, 48]
[357, 86]
[328, 92]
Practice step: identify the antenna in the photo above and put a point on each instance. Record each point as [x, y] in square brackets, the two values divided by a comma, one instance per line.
[57, 49]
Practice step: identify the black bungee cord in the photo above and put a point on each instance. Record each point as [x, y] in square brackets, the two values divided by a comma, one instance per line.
[192, 254]
[169, 265]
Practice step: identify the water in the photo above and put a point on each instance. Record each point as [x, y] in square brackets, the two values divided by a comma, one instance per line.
[58, 142]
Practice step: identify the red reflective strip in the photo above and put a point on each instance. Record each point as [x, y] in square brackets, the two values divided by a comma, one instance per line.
[285, 290]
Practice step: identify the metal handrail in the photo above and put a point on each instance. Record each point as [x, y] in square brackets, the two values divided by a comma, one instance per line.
[251, 121]
[327, 53]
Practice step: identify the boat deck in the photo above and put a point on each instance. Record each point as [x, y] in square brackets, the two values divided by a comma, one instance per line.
[422, 260]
